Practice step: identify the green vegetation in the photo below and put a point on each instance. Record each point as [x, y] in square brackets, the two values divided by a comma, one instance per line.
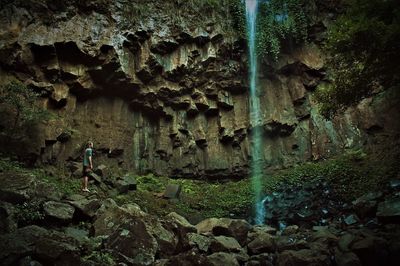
[64, 186]
[21, 102]
[198, 198]
[364, 48]
[99, 258]
[350, 175]
[281, 21]
[29, 213]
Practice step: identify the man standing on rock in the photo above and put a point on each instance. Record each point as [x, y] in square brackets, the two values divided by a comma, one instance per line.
[87, 166]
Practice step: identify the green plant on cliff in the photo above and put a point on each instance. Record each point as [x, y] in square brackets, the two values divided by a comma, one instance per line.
[364, 45]
[281, 21]
[21, 105]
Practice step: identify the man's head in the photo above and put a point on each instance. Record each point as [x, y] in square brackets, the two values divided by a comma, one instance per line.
[90, 144]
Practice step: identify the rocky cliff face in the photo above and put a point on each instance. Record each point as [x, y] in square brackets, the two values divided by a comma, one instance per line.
[164, 89]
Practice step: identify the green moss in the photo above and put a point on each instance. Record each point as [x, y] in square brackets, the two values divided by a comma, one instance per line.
[350, 175]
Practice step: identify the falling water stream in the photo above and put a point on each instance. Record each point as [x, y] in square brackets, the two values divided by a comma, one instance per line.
[255, 115]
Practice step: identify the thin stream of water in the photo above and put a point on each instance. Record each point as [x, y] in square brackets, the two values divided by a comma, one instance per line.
[255, 115]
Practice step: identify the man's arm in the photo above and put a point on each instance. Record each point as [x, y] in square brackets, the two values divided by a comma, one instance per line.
[90, 162]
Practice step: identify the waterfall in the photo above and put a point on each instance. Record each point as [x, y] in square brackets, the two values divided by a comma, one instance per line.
[255, 116]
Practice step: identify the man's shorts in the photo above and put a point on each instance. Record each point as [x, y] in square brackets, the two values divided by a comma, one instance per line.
[86, 171]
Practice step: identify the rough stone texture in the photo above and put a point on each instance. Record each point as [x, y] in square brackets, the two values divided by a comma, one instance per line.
[47, 246]
[125, 184]
[236, 228]
[59, 211]
[15, 187]
[263, 243]
[172, 191]
[302, 257]
[389, 210]
[86, 207]
[221, 258]
[120, 222]
[173, 101]
[224, 243]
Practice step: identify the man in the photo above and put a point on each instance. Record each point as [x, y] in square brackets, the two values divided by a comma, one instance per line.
[87, 166]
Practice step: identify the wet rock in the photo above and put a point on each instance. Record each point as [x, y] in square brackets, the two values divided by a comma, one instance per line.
[371, 250]
[222, 258]
[58, 211]
[389, 211]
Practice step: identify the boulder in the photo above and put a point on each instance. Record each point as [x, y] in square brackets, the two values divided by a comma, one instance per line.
[190, 257]
[371, 250]
[132, 244]
[125, 184]
[389, 211]
[365, 206]
[172, 191]
[290, 243]
[201, 242]
[264, 259]
[224, 243]
[290, 230]
[111, 218]
[261, 244]
[345, 242]
[102, 170]
[222, 258]
[46, 246]
[58, 211]
[84, 206]
[351, 219]
[15, 187]
[236, 228]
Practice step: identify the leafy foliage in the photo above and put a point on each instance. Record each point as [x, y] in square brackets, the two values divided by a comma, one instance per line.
[278, 21]
[29, 213]
[364, 45]
[198, 198]
[22, 103]
[350, 175]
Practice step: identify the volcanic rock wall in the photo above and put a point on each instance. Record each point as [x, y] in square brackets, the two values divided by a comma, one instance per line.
[164, 90]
